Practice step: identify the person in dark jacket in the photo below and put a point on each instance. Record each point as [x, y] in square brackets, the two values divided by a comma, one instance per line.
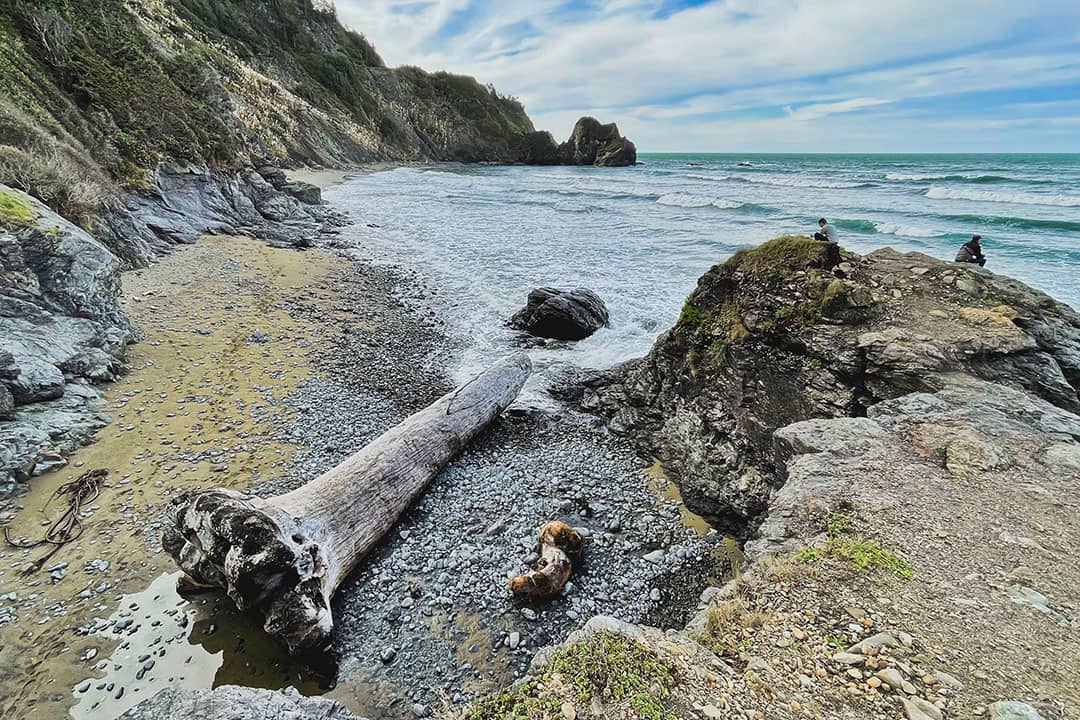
[971, 252]
[827, 232]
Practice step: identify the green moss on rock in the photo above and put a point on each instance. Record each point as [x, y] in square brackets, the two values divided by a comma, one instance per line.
[14, 210]
[611, 667]
[782, 257]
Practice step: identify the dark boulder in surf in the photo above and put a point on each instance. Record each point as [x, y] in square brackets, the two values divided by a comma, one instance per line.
[561, 314]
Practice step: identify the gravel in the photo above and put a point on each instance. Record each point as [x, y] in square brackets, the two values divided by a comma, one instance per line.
[429, 614]
[428, 617]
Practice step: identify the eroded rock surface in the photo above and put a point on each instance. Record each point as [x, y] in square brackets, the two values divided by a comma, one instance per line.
[61, 330]
[187, 201]
[593, 143]
[232, 702]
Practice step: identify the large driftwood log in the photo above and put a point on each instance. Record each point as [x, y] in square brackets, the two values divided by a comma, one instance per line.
[285, 556]
[561, 547]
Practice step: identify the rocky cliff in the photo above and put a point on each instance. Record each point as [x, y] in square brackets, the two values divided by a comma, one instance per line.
[104, 89]
[95, 93]
[795, 329]
[897, 440]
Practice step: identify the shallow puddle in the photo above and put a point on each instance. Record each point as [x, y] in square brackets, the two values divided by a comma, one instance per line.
[167, 640]
[666, 488]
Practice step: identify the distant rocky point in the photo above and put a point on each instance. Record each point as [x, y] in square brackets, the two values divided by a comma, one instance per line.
[591, 143]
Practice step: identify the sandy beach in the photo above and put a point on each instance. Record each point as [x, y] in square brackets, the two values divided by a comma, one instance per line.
[203, 404]
[259, 368]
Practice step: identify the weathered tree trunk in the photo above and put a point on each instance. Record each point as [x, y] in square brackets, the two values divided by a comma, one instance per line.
[561, 546]
[286, 555]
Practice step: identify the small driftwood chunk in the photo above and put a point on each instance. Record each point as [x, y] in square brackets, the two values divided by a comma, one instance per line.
[284, 556]
[561, 547]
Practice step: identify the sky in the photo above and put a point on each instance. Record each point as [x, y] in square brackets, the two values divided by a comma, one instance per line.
[762, 75]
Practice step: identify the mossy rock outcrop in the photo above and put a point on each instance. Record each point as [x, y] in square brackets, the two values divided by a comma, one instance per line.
[796, 329]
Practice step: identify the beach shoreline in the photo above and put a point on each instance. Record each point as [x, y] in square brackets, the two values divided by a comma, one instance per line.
[259, 368]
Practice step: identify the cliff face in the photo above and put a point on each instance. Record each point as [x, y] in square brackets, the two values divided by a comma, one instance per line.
[794, 330]
[101, 90]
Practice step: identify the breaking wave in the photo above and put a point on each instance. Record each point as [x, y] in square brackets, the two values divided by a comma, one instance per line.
[936, 192]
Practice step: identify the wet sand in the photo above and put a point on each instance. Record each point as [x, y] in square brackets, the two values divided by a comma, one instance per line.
[201, 406]
[325, 178]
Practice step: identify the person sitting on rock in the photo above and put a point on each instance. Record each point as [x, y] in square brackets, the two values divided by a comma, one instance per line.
[971, 252]
[827, 232]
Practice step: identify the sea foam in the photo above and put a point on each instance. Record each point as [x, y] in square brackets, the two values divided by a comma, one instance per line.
[937, 192]
[906, 231]
[799, 182]
[688, 200]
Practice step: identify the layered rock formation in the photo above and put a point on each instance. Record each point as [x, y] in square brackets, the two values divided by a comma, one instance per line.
[186, 201]
[792, 330]
[61, 331]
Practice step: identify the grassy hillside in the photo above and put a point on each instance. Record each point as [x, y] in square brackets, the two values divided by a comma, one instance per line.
[94, 92]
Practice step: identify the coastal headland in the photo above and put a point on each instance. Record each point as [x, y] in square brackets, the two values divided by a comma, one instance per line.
[840, 485]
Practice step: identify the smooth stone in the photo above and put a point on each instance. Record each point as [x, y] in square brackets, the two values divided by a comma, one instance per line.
[874, 641]
[846, 658]
[1013, 710]
[891, 677]
[948, 680]
[656, 556]
[919, 710]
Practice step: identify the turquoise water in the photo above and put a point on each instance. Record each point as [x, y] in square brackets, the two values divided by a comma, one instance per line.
[642, 236]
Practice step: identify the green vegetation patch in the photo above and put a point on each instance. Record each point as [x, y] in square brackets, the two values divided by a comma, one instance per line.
[607, 665]
[14, 210]
[862, 554]
[716, 329]
[780, 257]
[690, 315]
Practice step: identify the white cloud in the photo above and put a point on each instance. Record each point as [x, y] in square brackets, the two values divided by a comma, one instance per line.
[817, 111]
[745, 58]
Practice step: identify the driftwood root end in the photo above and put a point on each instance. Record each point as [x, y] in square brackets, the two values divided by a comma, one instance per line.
[261, 556]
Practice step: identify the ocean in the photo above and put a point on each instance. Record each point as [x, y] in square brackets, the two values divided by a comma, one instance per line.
[483, 236]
